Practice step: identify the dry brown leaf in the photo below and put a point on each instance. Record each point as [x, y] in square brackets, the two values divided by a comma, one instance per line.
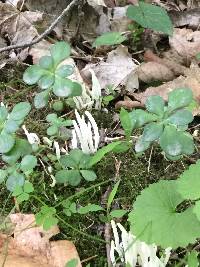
[116, 70]
[186, 42]
[31, 247]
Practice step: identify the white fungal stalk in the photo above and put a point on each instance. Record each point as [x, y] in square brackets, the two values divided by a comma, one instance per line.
[132, 251]
[85, 134]
[33, 139]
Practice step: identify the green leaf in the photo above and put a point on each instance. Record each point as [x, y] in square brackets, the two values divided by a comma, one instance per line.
[3, 175]
[126, 122]
[15, 179]
[63, 87]
[196, 209]
[52, 130]
[151, 16]
[109, 38]
[142, 117]
[52, 117]
[23, 197]
[102, 152]
[32, 74]
[179, 98]
[192, 259]
[46, 81]
[46, 62]
[3, 114]
[118, 213]
[122, 147]
[20, 111]
[28, 187]
[152, 131]
[89, 208]
[41, 99]
[141, 145]
[72, 177]
[189, 182]
[7, 142]
[155, 104]
[88, 175]
[65, 71]
[20, 149]
[154, 218]
[181, 117]
[11, 126]
[72, 263]
[60, 51]
[46, 217]
[75, 158]
[112, 195]
[18, 190]
[28, 163]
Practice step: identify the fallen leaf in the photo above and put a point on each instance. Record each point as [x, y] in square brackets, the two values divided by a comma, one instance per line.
[186, 42]
[116, 70]
[30, 246]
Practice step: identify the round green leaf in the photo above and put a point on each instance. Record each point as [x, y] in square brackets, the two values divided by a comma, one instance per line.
[65, 70]
[88, 175]
[181, 117]
[189, 182]
[154, 218]
[60, 51]
[20, 111]
[141, 145]
[151, 16]
[52, 117]
[179, 98]
[46, 62]
[52, 130]
[11, 126]
[77, 89]
[58, 105]
[62, 87]
[155, 104]
[28, 187]
[28, 163]
[72, 177]
[46, 81]
[152, 131]
[3, 114]
[170, 141]
[7, 142]
[14, 180]
[41, 99]
[109, 38]
[33, 74]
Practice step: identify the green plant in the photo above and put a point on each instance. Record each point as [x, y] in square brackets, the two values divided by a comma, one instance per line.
[71, 208]
[16, 173]
[169, 209]
[58, 125]
[76, 166]
[46, 217]
[166, 124]
[146, 15]
[51, 75]
[10, 123]
[22, 192]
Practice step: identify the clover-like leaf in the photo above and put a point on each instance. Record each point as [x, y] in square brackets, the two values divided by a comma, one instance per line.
[32, 74]
[7, 142]
[188, 184]
[181, 117]
[73, 177]
[60, 51]
[46, 217]
[15, 179]
[151, 16]
[152, 131]
[20, 111]
[179, 98]
[88, 175]
[142, 117]
[154, 218]
[155, 104]
[28, 163]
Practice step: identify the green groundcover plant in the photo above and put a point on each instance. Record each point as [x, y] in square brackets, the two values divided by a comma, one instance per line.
[51, 75]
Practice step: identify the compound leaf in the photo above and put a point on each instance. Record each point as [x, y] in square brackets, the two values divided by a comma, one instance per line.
[154, 218]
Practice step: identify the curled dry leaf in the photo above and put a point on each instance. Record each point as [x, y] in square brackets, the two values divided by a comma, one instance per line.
[116, 70]
[186, 42]
[31, 247]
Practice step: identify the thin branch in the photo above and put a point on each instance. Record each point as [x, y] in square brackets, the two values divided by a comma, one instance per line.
[45, 33]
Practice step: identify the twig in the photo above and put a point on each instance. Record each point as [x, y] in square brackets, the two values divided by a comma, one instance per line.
[45, 33]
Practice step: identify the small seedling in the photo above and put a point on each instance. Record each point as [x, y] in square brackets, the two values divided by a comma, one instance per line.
[51, 75]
